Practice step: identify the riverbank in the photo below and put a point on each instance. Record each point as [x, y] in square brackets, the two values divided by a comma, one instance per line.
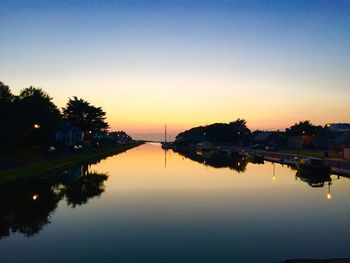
[339, 166]
[55, 164]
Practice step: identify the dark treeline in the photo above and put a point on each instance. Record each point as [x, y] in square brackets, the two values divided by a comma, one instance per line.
[31, 118]
[306, 128]
[237, 132]
[232, 133]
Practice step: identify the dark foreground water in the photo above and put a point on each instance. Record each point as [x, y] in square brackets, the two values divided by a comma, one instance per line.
[146, 205]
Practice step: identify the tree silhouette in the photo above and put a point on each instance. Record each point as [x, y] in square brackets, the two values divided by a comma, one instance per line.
[7, 116]
[240, 126]
[85, 116]
[305, 128]
[232, 133]
[5, 94]
[39, 116]
[29, 119]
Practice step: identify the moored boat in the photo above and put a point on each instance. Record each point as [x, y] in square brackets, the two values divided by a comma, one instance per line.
[204, 147]
[312, 165]
[313, 179]
[255, 158]
[166, 145]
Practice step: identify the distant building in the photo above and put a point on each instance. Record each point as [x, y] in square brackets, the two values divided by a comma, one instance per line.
[338, 136]
[302, 142]
[269, 139]
[339, 143]
[307, 142]
[339, 127]
[102, 135]
[347, 153]
[120, 137]
[69, 136]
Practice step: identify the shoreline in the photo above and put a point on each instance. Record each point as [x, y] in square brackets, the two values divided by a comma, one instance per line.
[56, 164]
[339, 166]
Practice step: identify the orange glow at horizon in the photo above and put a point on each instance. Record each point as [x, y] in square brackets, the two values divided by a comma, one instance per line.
[145, 105]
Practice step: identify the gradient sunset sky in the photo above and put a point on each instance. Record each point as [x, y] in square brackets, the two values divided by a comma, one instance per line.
[184, 63]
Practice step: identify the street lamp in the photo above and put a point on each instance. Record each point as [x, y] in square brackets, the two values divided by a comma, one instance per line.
[36, 126]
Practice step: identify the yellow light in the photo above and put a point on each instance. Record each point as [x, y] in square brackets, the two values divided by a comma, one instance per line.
[329, 196]
[36, 126]
[273, 178]
[35, 197]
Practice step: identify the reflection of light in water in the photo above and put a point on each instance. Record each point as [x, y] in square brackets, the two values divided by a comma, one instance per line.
[35, 197]
[329, 195]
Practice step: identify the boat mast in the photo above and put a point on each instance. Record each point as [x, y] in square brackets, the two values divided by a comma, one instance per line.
[165, 134]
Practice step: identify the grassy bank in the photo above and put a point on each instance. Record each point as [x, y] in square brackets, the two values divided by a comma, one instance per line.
[61, 163]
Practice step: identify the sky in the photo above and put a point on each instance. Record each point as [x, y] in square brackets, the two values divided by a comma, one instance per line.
[184, 63]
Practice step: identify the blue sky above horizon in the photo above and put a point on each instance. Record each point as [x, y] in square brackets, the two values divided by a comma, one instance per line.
[184, 63]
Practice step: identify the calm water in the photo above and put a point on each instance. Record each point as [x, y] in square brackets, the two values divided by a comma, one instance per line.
[146, 205]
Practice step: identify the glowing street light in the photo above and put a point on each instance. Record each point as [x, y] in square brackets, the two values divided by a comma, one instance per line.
[35, 197]
[36, 126]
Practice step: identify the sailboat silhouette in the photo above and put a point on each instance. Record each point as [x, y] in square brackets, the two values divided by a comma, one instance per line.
[166, 145]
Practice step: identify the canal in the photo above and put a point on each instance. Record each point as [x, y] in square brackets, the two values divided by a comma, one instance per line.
[148, 205]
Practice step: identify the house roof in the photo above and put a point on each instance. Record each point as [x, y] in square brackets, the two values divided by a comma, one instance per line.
[262, 136]
[339, 126]
[344, 138]
[68, 128]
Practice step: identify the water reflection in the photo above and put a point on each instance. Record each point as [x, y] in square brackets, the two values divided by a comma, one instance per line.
[217, 160]
[84, 186]
[26, 207]
[183, 213]
[314, 180]
[239, 164]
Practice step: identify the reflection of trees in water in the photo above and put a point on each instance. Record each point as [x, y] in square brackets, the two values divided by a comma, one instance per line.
[313, 180]
[85, 187]
[236, 162]
[27, 206]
